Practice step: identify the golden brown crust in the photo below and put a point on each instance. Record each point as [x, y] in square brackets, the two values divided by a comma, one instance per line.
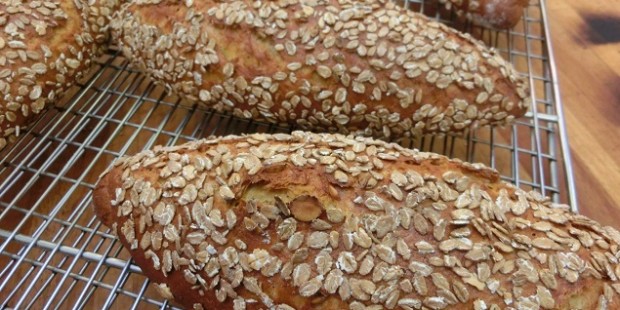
[232, 223]
[501, 14]
[365, 67]
[45, 46]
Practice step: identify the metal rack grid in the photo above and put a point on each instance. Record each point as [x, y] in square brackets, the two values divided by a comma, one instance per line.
[54, 253]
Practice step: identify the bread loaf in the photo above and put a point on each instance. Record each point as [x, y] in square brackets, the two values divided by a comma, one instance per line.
[501, 14]
[45, 46]
[365, 67]
[321, 221]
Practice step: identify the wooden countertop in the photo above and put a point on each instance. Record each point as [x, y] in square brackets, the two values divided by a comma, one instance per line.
[586, 39]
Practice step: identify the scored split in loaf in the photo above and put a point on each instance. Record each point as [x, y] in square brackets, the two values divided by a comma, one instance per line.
[45, 46]
[319, 221]
[365, 67]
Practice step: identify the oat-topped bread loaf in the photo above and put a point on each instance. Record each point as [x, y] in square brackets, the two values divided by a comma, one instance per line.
[44, 47]
[365, 67]
[501, 14]
[320, 221]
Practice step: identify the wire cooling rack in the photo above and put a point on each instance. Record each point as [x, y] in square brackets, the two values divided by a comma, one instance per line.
[55, 254]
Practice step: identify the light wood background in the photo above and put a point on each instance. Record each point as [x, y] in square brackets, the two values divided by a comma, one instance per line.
[586, 38]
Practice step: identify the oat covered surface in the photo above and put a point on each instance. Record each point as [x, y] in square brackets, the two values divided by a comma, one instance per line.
[321, 221]
[45, 46]
[367, 67]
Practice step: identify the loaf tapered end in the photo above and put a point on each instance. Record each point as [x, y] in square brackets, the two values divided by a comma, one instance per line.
[103, 197]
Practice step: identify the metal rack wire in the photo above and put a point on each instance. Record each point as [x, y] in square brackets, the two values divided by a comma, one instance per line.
[55, 254]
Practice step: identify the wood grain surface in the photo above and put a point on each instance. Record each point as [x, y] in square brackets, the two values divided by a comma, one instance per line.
[586, 38]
